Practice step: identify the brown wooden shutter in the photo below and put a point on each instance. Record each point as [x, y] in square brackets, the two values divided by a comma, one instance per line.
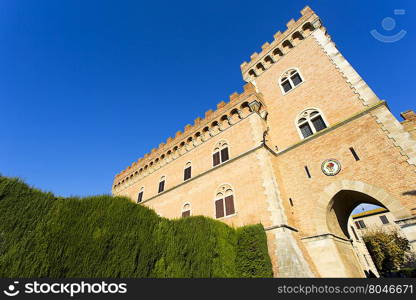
[186, 213]
[224, 155]
[229, 205]
[216, 158]
[161, 186]
[219, 208]
[140, 197]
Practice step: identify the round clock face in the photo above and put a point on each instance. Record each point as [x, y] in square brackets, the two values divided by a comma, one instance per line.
[331, 167]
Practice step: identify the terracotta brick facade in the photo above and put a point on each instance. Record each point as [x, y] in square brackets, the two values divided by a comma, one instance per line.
[305, 216]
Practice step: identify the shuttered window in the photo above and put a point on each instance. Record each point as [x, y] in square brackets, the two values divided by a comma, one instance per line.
[187, 173]
[229, 205]
[161, 186]
[186, 213]
[216, 159]
[222, 210]
[219, 208]
[140, 197]
[224, 155]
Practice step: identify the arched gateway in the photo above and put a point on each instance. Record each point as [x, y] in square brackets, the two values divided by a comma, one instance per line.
[331, 249]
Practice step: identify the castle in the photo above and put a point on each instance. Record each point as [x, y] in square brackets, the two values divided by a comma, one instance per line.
[304, 143]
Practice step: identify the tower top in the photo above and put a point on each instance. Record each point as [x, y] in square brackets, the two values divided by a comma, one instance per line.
[281, 44]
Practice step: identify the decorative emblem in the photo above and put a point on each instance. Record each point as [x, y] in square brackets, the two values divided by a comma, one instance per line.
[331, 167]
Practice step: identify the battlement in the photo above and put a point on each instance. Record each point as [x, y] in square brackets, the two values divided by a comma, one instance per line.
[226, 114]
[409, 115]
[283, 42]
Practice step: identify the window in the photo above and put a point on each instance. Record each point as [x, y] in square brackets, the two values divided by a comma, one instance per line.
[360, 224]
[355, 234]
[384, 220]
[187, 172]
[224, 202]
[309, 122]
[140, 195]
[220, 154]
[162, 184]
[289, 80]
[356, 157]
[307, 172]
[186, 210]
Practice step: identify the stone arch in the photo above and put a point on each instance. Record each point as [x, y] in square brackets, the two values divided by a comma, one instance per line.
[189, 143]
[268, 60]
[205, 134]
[370, 193]
[215, 127]
[287, 44]
[297, 37]
[197, 138]
[260, 67]
[277, 52]
[235, 116]
[330, 248]
[307, 27]
[245, 109]
[224, 122]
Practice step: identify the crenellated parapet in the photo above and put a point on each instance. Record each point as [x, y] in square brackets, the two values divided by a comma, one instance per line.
[283, 43]
[193, 135]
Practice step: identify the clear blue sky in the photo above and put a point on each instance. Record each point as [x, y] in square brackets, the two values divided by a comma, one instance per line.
[82, 82]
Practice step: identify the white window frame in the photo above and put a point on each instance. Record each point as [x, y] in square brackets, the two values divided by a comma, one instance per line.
[309, 121]
[290, 80]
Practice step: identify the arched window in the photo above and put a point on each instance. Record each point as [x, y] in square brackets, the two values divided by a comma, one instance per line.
[187, 172]
[220, 154]
[186, 210]
[309, 122]
[224, 202]
[140, 195]
[162, 184]
[289, 80]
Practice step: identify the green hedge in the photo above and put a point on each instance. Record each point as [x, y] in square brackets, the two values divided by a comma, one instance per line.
[42, 235]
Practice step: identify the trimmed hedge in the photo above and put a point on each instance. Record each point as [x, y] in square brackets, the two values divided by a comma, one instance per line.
[42, 235]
